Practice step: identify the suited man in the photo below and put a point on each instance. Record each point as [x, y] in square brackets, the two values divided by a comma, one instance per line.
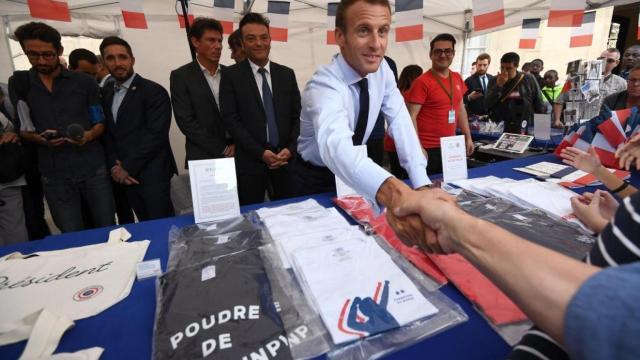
[138, 116]
[195, 89]
[477, 86]
[261, 108]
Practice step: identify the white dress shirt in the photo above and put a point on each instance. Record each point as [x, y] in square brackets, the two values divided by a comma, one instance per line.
[119, 94]
[213, 81]
[258, 76]
[330, 105]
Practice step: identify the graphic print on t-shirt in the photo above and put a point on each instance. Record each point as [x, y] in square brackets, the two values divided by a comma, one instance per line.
[367, 316]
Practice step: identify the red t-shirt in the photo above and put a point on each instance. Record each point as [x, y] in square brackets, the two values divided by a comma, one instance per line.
[433, 118]
[389, 145]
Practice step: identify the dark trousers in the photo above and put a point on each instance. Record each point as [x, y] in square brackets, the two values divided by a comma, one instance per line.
[375, 150]
[397, 170]
[33, 197]
[278, 184]
[150, 201]
[123, 209]
[311, 179]
[434, 165]
[65, 197]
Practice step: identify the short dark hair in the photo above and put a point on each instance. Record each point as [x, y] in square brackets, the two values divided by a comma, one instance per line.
[344, 5]
[200, 24]
[526, 66]
[114, 40]
[235, 39]
[81, 54]
[511, 58]
[635, 68]
[442, 37]
[539, 60]
[473, 63]
[484, 56]
[253, 18]
[408, 75]
[551, 72]
[38, 31]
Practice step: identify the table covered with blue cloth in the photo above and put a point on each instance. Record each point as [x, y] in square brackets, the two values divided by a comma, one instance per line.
[125, 330]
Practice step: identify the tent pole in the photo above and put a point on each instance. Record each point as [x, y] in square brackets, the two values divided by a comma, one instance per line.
[465, 37]
[185, 16]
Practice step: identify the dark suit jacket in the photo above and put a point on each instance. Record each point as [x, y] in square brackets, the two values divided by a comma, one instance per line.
[197, 113]
[475, 107]
[244, 115]
[139, 137]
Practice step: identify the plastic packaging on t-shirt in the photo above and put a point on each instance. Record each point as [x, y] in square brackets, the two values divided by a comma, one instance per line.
[188, 250]
[371, 313]
[361, 211]
[220, 308]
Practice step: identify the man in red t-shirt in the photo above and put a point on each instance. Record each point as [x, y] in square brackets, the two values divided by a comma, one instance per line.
[435, 102]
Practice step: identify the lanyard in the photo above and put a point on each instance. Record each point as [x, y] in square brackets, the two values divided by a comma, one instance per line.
[450, 92]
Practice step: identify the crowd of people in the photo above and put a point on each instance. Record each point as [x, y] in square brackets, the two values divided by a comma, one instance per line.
[93, 139]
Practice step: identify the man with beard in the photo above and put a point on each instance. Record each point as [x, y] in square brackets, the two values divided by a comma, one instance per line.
[630, 59]
[435, 102]
[138, 113]
[67, 121]
[477, 86]
[260, 105]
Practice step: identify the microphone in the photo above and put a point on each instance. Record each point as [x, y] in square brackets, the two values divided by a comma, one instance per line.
[75, 132]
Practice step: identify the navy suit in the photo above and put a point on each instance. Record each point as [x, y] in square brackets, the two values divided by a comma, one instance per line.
[138, 137]
[477, 106]
[244, 116]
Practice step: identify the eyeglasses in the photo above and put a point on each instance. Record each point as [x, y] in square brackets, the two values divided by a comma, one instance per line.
[440, 52]
[47, 55]
[633, 81]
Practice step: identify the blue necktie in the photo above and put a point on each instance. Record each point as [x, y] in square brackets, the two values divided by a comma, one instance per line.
[483, 79]
[267, 101]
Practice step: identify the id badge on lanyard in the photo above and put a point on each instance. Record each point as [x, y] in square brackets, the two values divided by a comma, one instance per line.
[451, 118]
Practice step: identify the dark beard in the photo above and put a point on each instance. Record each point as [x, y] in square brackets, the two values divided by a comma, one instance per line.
[123, 79]
[46, 69]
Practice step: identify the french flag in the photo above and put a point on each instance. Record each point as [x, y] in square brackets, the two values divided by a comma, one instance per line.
[613, 128]
[583, 35]
[487, 14]
[579, 138]
[223, 12]
[49, 9]
[605, 151]
[332, 8]
[529, 35]
[179, 12]
[279, 18]
[133, 14]
[408, 20]
[566, 13]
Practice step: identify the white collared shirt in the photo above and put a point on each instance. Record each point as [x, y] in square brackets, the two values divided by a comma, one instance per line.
[258, 76]
[213, 81]
[330, 105]
[118, 95]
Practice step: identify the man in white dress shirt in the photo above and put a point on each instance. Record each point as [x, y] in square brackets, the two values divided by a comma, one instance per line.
[339, 107]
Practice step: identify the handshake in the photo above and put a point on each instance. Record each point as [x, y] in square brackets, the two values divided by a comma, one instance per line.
[425, 218]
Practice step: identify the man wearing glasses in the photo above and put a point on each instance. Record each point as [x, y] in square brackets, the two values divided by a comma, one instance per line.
[435, 102]
[629, 97]
[66, 122]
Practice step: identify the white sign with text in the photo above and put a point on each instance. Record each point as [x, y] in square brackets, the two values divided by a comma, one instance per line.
[214, 189]
[454, 158]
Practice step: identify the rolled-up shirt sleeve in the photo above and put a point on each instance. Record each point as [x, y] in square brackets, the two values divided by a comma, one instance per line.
[602, 320]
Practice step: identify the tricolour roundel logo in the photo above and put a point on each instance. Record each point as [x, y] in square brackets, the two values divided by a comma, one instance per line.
[88, 293]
